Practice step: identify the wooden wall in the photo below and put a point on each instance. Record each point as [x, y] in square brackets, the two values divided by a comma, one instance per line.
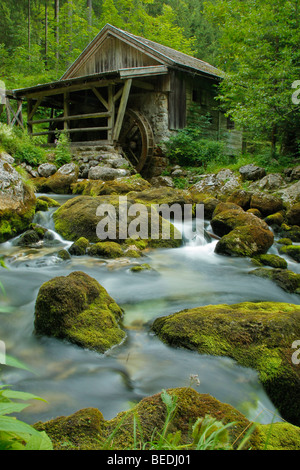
[113, 54]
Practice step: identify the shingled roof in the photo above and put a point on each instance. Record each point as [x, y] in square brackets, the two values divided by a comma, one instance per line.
[164, 54]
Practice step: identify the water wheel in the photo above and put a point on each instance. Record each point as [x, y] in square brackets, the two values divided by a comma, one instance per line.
[137, 139]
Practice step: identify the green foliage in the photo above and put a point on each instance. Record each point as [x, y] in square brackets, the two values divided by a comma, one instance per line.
[63, 150]
[18, 144]
[15, 434]
[191, 146]
[260, 56]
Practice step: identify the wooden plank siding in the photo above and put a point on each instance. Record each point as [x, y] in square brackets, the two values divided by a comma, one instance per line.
[177, 101]
[113, 54]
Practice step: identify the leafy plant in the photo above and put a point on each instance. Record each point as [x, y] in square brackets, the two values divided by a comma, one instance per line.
[20, 145]
[15, 434]
[62, 152]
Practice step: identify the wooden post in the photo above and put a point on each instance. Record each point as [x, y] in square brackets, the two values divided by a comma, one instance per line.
[66, 110]
[29, 112]
[111, 109]
[122, 109]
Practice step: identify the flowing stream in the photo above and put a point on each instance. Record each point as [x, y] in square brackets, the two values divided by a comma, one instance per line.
[71, 378]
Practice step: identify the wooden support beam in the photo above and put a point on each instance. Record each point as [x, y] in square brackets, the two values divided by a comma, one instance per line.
[100, 98]
[122, 109]
[34, 109]
[82, 129]
[18, 118]
[70, 88]
[111, 108]
[66, 110]
[29, 111]
[72, 118]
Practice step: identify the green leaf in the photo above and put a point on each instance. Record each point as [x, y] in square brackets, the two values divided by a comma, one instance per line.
[21, 395]
[41, 442]
[12, 425]
[8, 408]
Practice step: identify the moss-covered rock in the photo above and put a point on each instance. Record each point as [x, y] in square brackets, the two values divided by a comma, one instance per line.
[293, 214]
[60, 182]
[162, 195]
[270, 260]
[275, 219]
[141, 267]
[290, 231]
[224, 221]
[256, 335]
[78, 309]
[266, 203]
[284, 278]
[106, 250]
[87, 430]
[79, 248]
[284, 241]
[279, 436]
[78, 218]
[41, 205]
[291, 250]
[118, 186]
[17, 202]
[240, 197]
[245, 241]
[49, 200]
[28, 238]
[64, 255]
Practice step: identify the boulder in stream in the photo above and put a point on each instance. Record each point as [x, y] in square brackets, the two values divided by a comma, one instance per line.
[257, 335]
[17, 202]
[78, 309]
[88, 430]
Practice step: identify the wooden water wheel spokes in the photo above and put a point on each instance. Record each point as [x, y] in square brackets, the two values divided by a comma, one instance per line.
[137, 139]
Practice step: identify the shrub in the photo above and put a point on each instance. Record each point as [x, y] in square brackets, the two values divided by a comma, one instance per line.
[63, 150]
[20, 145]
[191, 146]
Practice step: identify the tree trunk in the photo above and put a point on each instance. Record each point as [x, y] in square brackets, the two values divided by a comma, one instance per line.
[29, 28]
[56, 14]
[90, 21]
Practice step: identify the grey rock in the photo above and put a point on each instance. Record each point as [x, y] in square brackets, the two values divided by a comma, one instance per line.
[252, 172]
[105, 173]
[46, 170]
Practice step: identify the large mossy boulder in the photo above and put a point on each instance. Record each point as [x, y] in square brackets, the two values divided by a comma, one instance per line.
[88, 430]
[284, 278]
[117, 186]
[78, 309]
[226, 219]
[266, 203]
[256, 335]
[245, 241]
[78, 218]
[17, 202]
[60, 182]
[293, 251]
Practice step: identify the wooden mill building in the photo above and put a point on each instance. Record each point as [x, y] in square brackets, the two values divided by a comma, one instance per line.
[125, 90]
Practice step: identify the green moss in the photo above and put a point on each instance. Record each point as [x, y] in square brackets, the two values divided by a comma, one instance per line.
[245, 241]
[77, 308]
[41, 205]
[275, 219]
[291, 250]
[79, 248]
[285, 241]
[106, 250]
[286, 279]
[64, 255]
[270, 260]
[141, 267]
[50, 201]
[256, 335]
[279, 436]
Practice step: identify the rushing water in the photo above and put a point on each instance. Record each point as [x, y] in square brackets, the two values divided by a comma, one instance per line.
[71, 378]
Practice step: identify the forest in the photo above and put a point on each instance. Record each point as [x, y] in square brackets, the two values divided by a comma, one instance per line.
[254, 43]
